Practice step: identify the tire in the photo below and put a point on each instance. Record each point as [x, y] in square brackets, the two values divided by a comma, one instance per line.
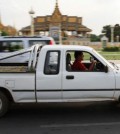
[4, 104]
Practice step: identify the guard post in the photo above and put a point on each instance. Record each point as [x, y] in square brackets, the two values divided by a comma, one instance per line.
[104, 41]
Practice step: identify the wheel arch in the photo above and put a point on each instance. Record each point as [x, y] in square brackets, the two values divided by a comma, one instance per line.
[7, 93]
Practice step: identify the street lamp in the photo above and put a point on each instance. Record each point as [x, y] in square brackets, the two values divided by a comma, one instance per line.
[0, 33]
[60, 34]
[112, 34]
[31, 12]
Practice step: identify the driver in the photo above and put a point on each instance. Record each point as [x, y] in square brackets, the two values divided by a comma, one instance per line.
[78, 65]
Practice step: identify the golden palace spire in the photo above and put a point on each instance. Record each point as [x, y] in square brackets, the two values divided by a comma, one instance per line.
[57, 11]
[56, 3]
[68, 23]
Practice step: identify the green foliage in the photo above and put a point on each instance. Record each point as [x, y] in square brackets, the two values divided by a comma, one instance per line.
[107, 31]
[4, 33]
[15, 48]
[94, 38]
[111, 49]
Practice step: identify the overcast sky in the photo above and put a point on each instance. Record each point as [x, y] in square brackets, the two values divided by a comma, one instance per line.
[95, 13]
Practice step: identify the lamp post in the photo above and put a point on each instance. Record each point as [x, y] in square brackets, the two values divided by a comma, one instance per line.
[31, 12]
[112, 34]
[0, 33]
[60, 36]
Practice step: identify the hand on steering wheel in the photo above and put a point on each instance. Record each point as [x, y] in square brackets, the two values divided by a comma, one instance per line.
[94, 65]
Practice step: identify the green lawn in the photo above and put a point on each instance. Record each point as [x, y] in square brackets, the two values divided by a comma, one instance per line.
[106, 55]
[111, 55]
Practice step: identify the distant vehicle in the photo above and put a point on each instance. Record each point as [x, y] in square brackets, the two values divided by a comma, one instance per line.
[11, 44]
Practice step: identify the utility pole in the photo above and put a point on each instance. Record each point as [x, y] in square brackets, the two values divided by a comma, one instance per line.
[60, 36]
[31, 12]
[112, 35]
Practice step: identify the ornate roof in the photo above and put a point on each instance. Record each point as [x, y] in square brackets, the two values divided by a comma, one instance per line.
[68, 23]
[8, 29]
[56, 11]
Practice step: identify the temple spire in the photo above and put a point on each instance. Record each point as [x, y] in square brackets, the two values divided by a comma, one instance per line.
[56, 3]
[57, 11]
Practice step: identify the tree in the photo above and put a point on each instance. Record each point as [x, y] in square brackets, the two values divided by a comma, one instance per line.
[94, 38]
[4, 33]
[107, 31]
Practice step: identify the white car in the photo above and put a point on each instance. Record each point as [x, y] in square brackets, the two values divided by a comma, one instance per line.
[9, 45]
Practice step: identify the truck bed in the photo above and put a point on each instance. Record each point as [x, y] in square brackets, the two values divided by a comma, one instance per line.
[13, 67]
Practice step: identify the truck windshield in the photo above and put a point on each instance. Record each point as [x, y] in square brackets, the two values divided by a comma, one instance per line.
[108, 63]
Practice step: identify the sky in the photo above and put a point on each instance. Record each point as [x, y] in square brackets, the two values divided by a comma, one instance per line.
[95, 13]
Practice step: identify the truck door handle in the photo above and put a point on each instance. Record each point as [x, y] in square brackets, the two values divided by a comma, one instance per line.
[70, 77]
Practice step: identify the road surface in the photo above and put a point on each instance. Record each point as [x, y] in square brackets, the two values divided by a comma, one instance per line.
[96, 118]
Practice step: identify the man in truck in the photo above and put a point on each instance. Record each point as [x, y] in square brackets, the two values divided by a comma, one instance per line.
[78, 65]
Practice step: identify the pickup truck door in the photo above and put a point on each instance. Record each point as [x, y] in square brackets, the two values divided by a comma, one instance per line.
[48, 78]
[83, 85]
[87, 84]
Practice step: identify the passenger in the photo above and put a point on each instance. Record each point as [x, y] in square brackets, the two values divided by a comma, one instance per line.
[78, 65]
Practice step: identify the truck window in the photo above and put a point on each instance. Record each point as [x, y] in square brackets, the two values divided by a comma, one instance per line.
[52, 63]
[34, 42]
[83, 62]
[10, 46]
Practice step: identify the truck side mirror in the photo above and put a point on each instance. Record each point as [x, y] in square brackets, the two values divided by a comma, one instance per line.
[106, 69]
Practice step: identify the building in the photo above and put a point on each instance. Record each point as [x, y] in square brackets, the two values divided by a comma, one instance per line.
[7, 30]
[57, 23]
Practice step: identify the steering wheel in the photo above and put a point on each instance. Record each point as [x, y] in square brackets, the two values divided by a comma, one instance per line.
[95, 64]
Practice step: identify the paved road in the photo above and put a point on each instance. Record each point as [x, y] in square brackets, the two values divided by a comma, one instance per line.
[62, 119]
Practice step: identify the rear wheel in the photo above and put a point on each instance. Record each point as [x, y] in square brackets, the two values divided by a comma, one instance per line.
[4, 104]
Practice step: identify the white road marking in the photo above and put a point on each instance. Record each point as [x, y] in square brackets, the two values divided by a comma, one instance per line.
[79, 125]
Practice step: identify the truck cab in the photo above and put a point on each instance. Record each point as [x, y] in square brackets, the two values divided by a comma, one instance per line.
[65, 84]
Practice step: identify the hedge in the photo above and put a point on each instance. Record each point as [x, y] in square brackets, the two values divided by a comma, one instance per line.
[111, 49]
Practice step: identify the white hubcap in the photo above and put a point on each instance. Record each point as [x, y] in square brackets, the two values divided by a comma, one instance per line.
[0, 104]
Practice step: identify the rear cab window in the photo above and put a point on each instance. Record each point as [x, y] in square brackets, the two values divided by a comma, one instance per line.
[52, 63]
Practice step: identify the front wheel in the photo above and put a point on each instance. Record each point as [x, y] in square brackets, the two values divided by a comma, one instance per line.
[4, 104]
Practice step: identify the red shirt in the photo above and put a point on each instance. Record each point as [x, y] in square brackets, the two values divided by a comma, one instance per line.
[78, 66]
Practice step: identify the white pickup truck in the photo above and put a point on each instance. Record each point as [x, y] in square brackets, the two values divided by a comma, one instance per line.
[48, 77]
